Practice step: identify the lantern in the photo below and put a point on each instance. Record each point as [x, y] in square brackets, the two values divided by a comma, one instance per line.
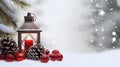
[28, 28]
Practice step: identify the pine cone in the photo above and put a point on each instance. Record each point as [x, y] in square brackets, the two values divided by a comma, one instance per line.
[8, 45]
[35, 52]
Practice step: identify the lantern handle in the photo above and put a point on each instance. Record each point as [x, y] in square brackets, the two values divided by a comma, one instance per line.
[34, 16]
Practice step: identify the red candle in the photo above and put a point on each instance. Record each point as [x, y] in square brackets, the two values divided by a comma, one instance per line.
[28, 44]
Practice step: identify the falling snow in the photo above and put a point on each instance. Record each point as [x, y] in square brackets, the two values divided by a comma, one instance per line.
[101, 12]
[101, 44]
[113, 39]
[105, 24]
[113, 33]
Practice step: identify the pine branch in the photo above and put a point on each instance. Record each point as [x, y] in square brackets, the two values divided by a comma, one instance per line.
[7, 5]
[3, 33]
[20, 3]
[7, 20]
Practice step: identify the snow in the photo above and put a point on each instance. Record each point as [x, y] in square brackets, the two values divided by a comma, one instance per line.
[91, 1]
[103, 38]
[102, 29]
[103, 59]
[96, 29]
[114, 33]
[5, 28]
[101, 12]
[104, 18]
[101, 44]
[113, 39]
[118, 3]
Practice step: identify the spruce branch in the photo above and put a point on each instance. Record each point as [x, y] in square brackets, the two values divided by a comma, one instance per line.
[21, 4]
[4, 33]
[7, 20]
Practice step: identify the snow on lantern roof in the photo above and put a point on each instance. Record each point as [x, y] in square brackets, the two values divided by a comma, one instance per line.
[29, 24]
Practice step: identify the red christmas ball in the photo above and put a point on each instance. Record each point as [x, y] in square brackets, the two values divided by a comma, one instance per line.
[55, 52]
[2, 56]
[52, 57]
[46, 51]
[44, 58]
[20, 56]
[10, 57]
[59, 57]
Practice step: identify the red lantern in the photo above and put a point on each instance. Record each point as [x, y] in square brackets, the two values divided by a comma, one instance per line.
[28, 28]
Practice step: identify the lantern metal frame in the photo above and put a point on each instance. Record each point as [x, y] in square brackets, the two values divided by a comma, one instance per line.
[28, 27]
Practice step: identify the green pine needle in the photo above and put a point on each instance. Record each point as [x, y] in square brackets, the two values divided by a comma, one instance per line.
[3, 33]
[7, 20]
[20, 4]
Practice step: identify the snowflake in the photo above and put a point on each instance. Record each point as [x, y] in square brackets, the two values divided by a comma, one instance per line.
[97, 5]
[113, 39]
[101, 44]
[101, 12]
[111, 9]
[106, 0]
[113, 47]
[93, 22]
[113, 33]
[92, 36]
[91, 1]
[92, 41]
[96, 29]
[103, 38]
[102, 29]
[118, 3]
[111, 2]
[115, 26]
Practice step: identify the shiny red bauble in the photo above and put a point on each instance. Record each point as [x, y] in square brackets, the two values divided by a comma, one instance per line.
[44, 58]
[2, 56]
[10, 57]
[59, 57]
[20, 56]
[46, 51]
[55, 52]
[52, 57]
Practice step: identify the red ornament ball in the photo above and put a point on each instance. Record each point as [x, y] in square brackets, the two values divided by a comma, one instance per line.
[46, 51]
[10, 57]
[55, 52]
[59, 57]
[20, 56]
[2, 56]
[52, 57]
[44, 58]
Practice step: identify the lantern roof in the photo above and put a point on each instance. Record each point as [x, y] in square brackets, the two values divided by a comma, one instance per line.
[29, 24]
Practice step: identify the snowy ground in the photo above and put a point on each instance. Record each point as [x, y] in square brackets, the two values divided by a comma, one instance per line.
[104, 59]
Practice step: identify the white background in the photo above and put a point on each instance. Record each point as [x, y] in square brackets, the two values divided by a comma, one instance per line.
[63, 22]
